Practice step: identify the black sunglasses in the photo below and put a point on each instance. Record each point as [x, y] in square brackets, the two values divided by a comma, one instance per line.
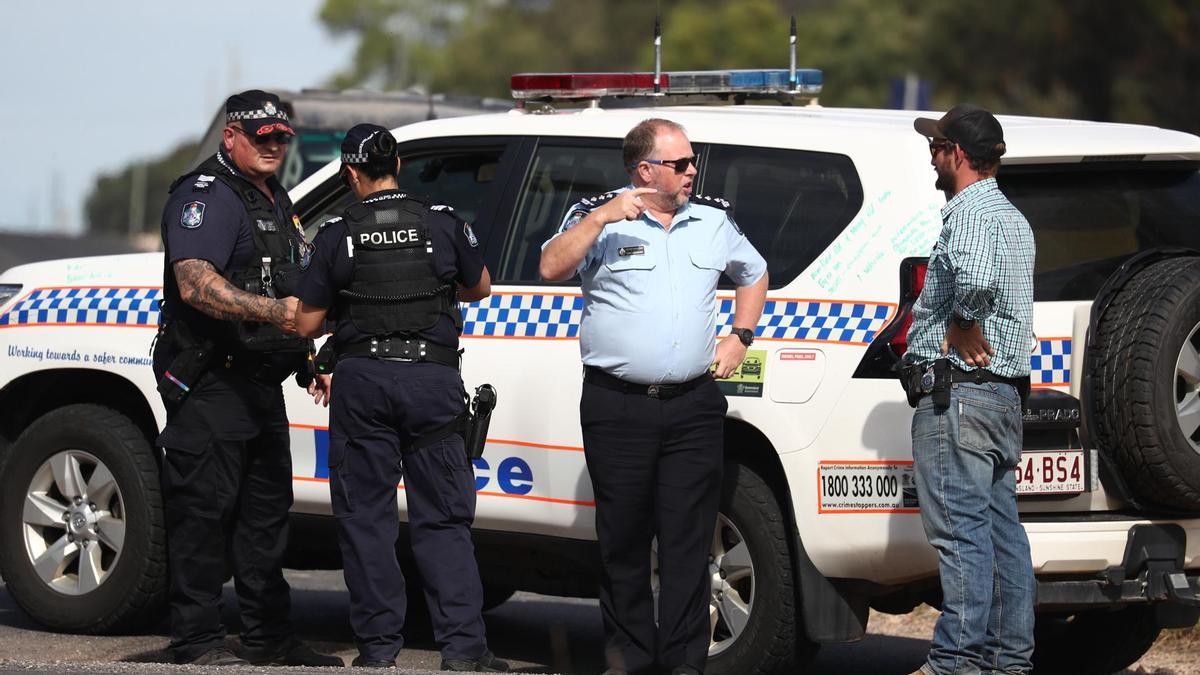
[937, 146]
[277, 137]
[679, 165]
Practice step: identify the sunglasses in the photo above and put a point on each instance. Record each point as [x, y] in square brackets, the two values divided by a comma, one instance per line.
[277, 137]
[679, 165]
[937, 146]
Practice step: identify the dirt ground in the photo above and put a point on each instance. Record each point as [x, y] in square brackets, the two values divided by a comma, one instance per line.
[1177, 652]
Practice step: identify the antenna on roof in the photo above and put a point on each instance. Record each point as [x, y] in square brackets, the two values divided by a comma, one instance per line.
[657, 54]
[792, 60]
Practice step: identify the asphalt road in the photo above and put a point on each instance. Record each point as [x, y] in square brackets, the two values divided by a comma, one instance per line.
[537, 634]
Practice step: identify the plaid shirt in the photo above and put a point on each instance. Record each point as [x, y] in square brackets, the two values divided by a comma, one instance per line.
[981, 268]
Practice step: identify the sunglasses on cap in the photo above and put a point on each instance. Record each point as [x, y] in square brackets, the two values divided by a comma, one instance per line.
[277, 137]
[937, 146]
[679, 165]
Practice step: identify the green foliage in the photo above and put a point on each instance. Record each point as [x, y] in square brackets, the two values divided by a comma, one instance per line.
[106, 209]
[1135, 60]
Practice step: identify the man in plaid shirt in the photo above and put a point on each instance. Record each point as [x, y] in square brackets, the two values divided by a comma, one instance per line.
[976, 312]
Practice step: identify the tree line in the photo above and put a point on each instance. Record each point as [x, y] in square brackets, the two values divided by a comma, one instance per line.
[1135, 61]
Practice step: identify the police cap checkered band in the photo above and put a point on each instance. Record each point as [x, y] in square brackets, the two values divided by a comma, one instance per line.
[364, 141]
[259, 112]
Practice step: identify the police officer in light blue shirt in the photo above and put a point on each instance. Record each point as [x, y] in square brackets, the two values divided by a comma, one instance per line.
[650, 256]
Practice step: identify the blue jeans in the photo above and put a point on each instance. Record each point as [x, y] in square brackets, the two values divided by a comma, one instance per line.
[965, 457]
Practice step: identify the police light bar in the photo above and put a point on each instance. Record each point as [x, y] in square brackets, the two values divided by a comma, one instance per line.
[568, 86]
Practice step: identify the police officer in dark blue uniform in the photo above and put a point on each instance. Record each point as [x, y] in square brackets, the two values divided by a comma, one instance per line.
[390, 272]
[234, 252]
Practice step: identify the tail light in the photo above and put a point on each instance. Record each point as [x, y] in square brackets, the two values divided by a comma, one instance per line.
[891, 342]
[912, 282]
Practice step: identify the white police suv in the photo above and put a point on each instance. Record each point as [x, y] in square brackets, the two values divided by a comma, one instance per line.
[819, 515]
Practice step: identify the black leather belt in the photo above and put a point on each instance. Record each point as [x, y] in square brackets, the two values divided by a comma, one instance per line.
[593, 375]
[399, 349]
[980, 376]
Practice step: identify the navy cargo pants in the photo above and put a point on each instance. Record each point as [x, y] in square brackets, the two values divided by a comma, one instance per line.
[226, 477]
[378, 408]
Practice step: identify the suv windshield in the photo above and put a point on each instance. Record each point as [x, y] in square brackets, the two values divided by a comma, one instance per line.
[1088, 219]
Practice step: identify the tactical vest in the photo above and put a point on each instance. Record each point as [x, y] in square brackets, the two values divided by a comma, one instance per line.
[279, 248]
[395, 289]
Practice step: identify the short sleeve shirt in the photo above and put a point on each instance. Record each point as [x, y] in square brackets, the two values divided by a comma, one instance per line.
[456, 259]
[205, 219]
[650, 311]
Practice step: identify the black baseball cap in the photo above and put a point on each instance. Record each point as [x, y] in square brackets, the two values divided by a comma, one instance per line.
[260, 113]
[972, 128]
[364, 141]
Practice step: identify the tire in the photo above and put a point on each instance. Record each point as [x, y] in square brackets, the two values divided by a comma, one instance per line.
[103, 558]
[1097, 642]
[758, 624]
[1145, 369]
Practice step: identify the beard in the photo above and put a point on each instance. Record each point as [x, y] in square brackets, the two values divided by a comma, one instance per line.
[945, 181]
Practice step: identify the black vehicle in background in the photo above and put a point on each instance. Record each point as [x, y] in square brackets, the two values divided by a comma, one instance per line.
[321, 118]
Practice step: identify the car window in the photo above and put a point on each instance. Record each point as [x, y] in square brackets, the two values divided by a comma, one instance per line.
[463, 179]
[790, 203]
[1087, 220]
[559, 176]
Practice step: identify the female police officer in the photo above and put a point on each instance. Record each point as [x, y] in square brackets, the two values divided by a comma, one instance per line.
[390, 272]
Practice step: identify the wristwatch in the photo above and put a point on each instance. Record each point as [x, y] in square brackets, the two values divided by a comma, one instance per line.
[963, 324]
[746, 335]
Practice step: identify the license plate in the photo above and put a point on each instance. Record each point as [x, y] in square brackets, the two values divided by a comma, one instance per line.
[1051, 472]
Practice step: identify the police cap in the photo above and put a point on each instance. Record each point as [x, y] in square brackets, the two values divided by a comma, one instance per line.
[365, 142]
[260, 113]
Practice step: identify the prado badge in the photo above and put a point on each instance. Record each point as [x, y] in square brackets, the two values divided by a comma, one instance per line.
[193, 215]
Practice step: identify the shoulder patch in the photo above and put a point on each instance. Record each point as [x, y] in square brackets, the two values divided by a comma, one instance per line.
[470, 234]
[193, 215]
[715, 202]
[335, 219]
[572, 219]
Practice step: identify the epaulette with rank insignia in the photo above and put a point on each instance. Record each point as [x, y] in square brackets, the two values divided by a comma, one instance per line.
[715, 202]
[591, 203]
[335, 219]
[442, 207]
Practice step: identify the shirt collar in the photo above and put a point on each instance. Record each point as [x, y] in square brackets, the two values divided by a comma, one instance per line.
[970, 193]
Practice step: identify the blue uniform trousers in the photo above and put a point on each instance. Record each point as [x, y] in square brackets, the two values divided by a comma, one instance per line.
[656, 469]
[378, 408]
[226, 478]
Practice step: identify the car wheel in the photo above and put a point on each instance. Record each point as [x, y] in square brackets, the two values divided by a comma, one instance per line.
[1096, 642]
[1146, 361]
[753, 610]
[82, 542]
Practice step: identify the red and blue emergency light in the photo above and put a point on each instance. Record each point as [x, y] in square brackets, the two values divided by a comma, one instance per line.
[569, 86]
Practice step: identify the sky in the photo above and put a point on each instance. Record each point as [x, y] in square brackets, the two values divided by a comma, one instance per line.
[87, 87]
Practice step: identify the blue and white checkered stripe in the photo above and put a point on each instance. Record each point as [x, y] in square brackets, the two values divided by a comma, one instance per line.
[1050, 364]
[524, 315]
[98, 306]
[558, 316]
[810, 320]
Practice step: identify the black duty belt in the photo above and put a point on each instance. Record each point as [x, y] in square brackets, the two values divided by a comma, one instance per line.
[399, 349]
[598, 377]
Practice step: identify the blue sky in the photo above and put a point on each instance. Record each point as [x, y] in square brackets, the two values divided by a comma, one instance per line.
[89, 86]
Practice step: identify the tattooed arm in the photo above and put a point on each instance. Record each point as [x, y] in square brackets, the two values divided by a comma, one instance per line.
[202, 287]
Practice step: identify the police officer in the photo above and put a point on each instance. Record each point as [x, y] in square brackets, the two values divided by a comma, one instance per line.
[650, 256]
[234, 251]
[390, 272]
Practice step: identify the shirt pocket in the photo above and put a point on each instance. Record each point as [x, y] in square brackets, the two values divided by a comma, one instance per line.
[629, 279]
[707, 267]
